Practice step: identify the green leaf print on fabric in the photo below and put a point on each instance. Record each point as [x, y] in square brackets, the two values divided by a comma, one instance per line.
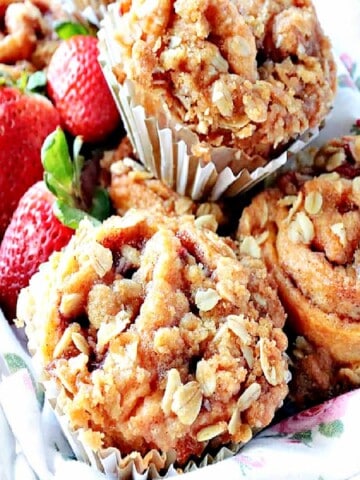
[248, 463]
[244, 469]
[344, 81]
[332, 429]
[15, 363]
[355, 129]
[353, 68]
[304, 437]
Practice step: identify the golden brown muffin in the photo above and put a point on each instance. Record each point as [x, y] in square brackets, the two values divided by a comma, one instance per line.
[27, 32]
[307, 230]
[157, 336]
[249, 75]
[23, 25]
[131, 186]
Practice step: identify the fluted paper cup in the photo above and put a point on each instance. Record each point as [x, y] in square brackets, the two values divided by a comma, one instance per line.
[134, 466]
[109, 460]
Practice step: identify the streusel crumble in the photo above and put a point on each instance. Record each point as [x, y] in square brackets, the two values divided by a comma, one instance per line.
[250, 75]
[307, 230]
[158, 336]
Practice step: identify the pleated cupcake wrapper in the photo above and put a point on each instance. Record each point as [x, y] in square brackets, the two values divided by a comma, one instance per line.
[134, 466]
[130, 467]
[164, 148]
[90, 10]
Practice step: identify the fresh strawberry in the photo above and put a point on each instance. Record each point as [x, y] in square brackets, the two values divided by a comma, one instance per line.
[78, 88]
[25, 121]
[33, 234]
[37, 227]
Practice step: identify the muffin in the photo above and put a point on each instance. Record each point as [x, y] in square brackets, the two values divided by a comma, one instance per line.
[132, 186]
[157, 337]
[236, 81]
[307, 230]
[28, 38]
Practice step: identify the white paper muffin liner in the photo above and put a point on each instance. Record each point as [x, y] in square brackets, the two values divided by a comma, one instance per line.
[90, 10]
[163, 145]
[109, 460]
[153, 465]
[132, 467]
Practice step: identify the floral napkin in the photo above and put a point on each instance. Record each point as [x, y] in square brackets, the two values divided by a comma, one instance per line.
[319, 444]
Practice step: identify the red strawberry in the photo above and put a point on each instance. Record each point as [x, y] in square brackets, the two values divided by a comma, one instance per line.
[25, 121]
[79, 90]
[33, 234]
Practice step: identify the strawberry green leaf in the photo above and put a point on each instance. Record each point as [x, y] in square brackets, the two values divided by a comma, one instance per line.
[5, 79]
[57, 162]
[26, 82]
[64, 177]
[101, 204]
[21, 82]
[70, 216]
[67, 30]
[57, 189]
[78, 163]
[36, 82]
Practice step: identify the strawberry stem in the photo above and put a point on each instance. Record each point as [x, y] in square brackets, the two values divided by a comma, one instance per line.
[62, 175]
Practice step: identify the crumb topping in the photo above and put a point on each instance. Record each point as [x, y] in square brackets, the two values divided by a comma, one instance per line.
[158, 336]
[246, 74]
[312, 251]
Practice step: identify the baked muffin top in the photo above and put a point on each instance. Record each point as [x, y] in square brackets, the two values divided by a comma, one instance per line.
[307, 230]
[245, 74]
[158, 336]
